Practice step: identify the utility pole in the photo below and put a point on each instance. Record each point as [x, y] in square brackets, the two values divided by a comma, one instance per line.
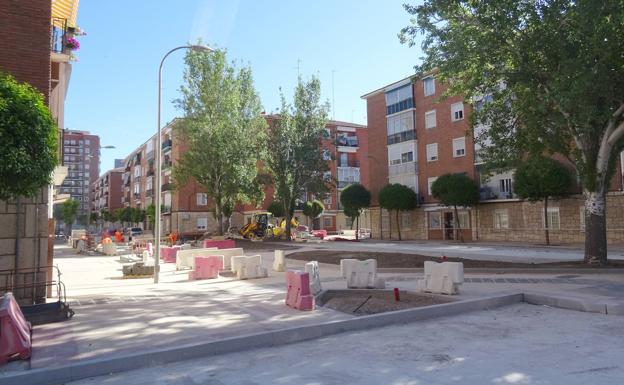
[333, 98]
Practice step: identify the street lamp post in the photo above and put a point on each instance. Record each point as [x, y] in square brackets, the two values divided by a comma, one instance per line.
[198, 48]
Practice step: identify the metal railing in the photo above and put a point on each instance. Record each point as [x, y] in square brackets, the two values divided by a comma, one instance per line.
[404, 168]
[32, 283]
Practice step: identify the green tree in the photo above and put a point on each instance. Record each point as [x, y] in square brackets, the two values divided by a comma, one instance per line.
[150, 213]
[137, 216]
[295, 153]
[313, 210]
[354, 199]
[352, 214]
[399, 198]
[223, 129]
[276, 209]
[124, 215]
[69, 209]
[540, 179]
[28, 146]
[553, 71]
[456, 190]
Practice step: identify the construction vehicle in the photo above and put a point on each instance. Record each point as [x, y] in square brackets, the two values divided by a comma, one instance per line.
[259, 227]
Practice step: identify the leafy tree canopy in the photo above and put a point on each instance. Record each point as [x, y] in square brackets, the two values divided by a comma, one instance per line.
[540, 178]
[455, 190]
[28, 140]
[313, 209]
[397, 197]
[276, 209]
[355, 196]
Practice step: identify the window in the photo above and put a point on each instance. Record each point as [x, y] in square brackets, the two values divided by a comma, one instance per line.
[327, 222]
[459, 147]
[463, 219]
[553, 218]
[430, 183]
[326, 133]
[395, 161]
[202, 223]
[457, 111]
[501, 219]
[400, 127]
[328, 200]
[407, 157]
[505, 185]
[432, 152]
[430, 119]
[202, 199]
[326, 154]
[137, 171]
[582, 218]
[349, 222]
[327, 176]
[344, 159]
[435, 220]
[87, 142]
[399, 99]
[429, 85]
[406, 221]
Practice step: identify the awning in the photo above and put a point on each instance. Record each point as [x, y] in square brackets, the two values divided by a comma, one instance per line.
[65, 9]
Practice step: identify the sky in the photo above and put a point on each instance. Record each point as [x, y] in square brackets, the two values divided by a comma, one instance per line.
[114, 84]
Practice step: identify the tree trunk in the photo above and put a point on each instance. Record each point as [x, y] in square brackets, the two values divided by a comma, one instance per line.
[380, 223]
[398, 224]
[18, 225]
[390, 224]
[595, 228]
[219, 217]
[458, 233]
[546, 221]
[357, 228]
[288, 218]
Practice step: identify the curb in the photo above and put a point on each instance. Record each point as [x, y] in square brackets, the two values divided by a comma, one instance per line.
[575, 303]
[105, 366]
[510, 270]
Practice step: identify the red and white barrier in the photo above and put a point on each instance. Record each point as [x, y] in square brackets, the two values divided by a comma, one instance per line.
[14, 331]
[298, 290]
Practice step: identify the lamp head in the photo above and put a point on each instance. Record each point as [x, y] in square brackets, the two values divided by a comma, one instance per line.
[201, 48]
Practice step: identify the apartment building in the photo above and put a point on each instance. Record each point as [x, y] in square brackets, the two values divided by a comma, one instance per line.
[30, 53]
[186, 210]
[416, 136]
[81, 156]
[345, 147]
[106, 191]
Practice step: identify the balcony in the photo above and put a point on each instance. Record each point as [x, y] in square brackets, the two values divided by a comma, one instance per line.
[166, 209]
[166, 165]
[400, 106]
[136, 195]
[149, 193]
[404, 168]
[150, 172]
[403, 136]
[347, 141]
[166, 145]
[167, 187]
[344, 183]
[353, 163]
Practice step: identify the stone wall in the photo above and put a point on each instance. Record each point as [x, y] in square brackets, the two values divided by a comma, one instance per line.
[33, 233]
[525, 222]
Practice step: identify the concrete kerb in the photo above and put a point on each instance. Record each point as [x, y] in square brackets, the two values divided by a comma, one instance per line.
[510, 270]
[109, 365]
[575, 303]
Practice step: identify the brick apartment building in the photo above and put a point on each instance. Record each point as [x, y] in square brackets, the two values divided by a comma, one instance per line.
[33, 51]
[106, 191]
[345, 147]
[81, 156]
[186, 210]
[415, 137]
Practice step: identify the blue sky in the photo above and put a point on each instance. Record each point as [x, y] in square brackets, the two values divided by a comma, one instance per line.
[113, 89]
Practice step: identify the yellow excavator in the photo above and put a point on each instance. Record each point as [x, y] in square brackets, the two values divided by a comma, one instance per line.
[261, 227]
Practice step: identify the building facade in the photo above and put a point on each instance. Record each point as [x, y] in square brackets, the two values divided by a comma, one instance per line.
[106, 191]
[417, 136]
[81, 156]
[186, 210]
[30, 53]
[345, 147]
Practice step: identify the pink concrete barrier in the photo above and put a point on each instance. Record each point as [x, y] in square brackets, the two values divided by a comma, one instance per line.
[298, 290]
[319, 233]
[168, 254]
[220, 244]
[15, 331]
[207, 267]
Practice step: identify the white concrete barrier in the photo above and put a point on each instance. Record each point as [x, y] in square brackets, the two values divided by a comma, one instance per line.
[361, 274]
[279, 261]
[441, 278]
[109, 248]
[248, 266]
[312, 268]
[185, 259]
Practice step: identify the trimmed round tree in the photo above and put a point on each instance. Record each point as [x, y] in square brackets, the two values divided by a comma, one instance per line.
[69, 209]
[541, 178]
[456, 190]
[399, 198]
[354, 199]
[276, 209]
[313, 210]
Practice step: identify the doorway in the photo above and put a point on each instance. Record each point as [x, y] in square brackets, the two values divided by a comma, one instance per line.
[449, 233]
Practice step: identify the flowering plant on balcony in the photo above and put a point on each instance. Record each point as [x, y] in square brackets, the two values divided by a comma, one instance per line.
[72, 44]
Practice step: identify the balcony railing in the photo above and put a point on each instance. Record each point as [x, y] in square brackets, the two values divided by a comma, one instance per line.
[166, 165]
[403, 136]
[345, 183]
[347, 141]
[166, 145]
[404, 168]
[136, 195]
[167, 187]
[59, 31]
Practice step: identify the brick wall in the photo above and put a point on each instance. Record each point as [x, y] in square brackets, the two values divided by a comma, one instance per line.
[25, 48]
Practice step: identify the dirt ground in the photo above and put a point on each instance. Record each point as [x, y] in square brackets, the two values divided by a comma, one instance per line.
[363, 302]
[400, 260]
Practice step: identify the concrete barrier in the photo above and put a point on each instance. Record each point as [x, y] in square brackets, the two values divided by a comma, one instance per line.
[298, 294]
[361, 274]
[248, 267]
[312, 268]
[207, 267]
[14, 331]
[441, 278]
[186, 258]
[279, 261]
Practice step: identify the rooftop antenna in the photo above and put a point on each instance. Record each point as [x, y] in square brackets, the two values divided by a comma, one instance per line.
[298, 68]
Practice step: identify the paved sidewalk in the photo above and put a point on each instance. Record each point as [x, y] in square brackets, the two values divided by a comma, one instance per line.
[117, 316]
